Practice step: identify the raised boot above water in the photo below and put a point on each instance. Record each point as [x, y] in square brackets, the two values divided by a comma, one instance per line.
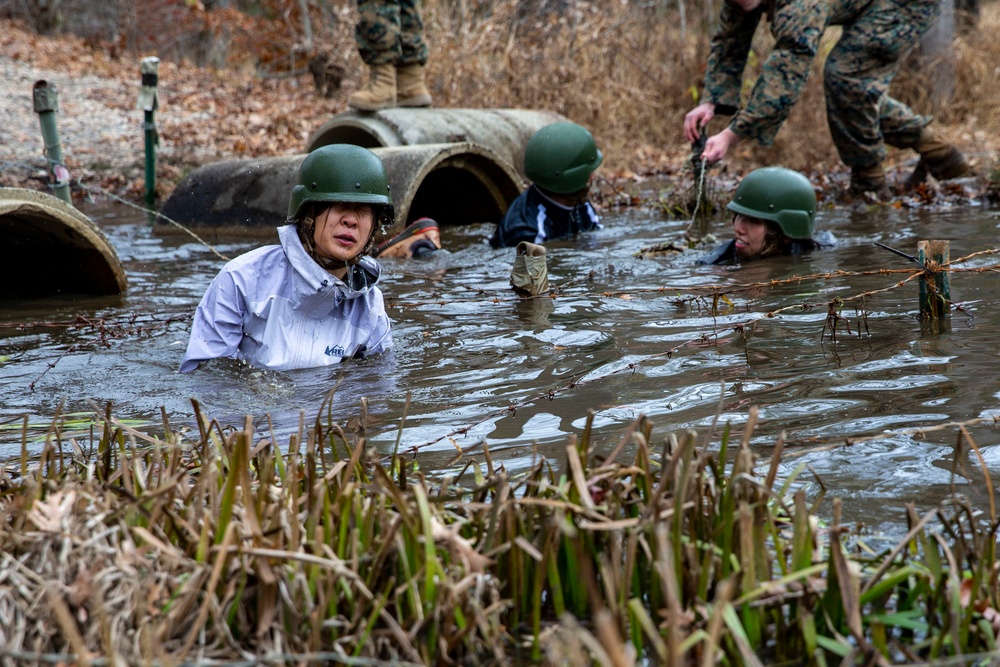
[530, 274]
[937, 158]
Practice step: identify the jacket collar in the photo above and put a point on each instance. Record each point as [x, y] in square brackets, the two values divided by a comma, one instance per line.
[360, 278]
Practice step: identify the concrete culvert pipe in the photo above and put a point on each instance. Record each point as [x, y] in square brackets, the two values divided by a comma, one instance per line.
[458, 183]
[505, 132]
[52, 248]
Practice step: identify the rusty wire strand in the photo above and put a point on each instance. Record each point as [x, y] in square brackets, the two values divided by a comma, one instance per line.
[740, 328]
[91, 190]
[709, 289]
[714, 290]
[828, 444]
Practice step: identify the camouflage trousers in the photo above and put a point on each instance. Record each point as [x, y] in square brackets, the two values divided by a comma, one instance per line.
[390, 31]
[857, 75]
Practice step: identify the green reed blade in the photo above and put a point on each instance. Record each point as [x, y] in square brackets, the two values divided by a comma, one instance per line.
[839, 649]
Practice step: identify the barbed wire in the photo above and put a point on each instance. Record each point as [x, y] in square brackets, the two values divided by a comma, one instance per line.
[154, 215]
[93, 190]
[742, 328]
[831, 443]
[104, 331]
[715, 291]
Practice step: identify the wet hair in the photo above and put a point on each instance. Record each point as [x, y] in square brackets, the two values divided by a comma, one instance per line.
[382, 217]
[775, 241]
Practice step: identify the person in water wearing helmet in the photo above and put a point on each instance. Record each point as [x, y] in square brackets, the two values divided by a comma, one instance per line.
[774, 214]
[312, 300]
[559, 161]
[858, 72]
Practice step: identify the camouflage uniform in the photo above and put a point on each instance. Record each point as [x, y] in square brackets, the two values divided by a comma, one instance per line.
[390, 32]
[856, 77]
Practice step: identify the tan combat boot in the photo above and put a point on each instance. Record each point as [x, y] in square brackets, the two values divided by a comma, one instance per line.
[380, 92]
[411, 89]
[530, 273]
[870, 179]
[937, 158]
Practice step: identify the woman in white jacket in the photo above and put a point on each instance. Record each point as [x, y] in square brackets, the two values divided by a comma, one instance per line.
[312, 300]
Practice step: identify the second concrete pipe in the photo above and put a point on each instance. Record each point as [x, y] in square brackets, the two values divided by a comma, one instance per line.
[503, 131]
[457, 183]
[458, 166]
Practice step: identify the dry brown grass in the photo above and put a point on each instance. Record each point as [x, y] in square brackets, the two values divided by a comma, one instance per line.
[628, 70]
[623, 71]
[218, 544]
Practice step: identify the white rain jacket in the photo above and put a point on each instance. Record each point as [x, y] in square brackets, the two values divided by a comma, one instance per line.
[276, 308]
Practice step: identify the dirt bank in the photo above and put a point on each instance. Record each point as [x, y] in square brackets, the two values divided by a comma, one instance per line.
[209, 115]
[204, 115]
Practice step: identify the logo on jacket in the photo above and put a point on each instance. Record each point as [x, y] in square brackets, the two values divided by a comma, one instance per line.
[335, 351]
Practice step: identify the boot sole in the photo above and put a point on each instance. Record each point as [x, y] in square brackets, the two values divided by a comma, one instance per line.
[425, 227]
[415, 101]
[364, 106]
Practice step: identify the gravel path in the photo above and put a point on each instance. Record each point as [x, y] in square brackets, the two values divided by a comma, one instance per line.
[204, 115]
[96, 126]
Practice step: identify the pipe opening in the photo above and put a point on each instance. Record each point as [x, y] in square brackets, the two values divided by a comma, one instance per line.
[346, 134]
[463, 189]
[46, 255]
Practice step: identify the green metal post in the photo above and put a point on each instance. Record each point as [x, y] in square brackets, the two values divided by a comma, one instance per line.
[46, 101]
[148, 101]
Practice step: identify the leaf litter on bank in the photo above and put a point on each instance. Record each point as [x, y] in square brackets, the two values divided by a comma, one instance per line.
[632, 72]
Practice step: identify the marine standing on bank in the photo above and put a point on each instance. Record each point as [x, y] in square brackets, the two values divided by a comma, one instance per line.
[862, 116]
[390, 39]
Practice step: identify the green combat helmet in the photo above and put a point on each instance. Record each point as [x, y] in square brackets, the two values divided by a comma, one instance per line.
[341, 173]
[560, 158]
[780, 195]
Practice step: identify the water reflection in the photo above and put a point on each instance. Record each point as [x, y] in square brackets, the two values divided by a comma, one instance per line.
[624, 337]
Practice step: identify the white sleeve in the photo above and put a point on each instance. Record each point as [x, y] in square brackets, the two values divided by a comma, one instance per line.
[218, 323]
[381, 338]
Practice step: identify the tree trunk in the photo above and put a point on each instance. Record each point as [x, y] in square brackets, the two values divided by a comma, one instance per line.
[937, 57]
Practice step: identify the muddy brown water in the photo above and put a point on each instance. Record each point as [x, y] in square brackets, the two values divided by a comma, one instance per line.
[481, 365]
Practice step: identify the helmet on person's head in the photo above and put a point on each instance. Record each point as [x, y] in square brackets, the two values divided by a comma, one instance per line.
[780, 195]
[561, 157]
[341, 173]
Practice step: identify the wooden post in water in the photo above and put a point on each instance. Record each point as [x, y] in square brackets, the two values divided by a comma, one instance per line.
[934, 298]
